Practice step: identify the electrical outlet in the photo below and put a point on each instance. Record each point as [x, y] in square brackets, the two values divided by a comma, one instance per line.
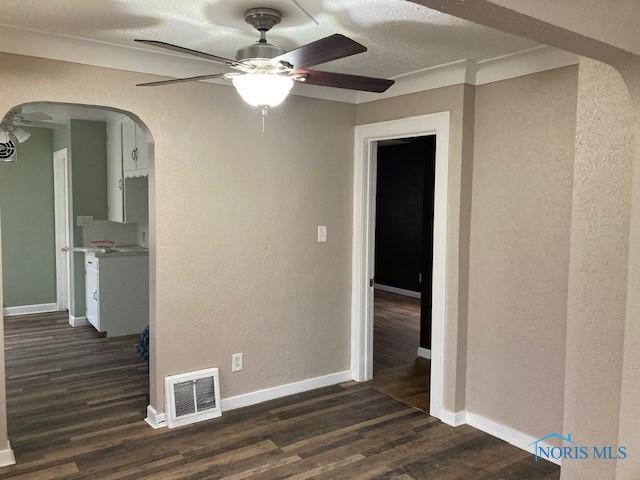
[322, 233]
[236, 362]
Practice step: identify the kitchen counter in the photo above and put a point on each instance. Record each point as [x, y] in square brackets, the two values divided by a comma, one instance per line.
[119, 251]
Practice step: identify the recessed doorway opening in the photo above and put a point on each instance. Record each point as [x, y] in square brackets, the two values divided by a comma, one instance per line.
[403, 262]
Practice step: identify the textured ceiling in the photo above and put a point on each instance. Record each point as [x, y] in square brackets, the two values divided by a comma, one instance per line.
[402, 37]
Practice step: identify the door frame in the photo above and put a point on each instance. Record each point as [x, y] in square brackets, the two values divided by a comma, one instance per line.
[61, 194]
[364, 196]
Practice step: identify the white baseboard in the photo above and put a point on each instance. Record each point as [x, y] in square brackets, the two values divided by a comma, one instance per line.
[503, 432]
[397, 291]
[455, 419]
[78, 321]
[7, 457]
[30, 309]
[272, 393]
[424, 352]
[155, 419]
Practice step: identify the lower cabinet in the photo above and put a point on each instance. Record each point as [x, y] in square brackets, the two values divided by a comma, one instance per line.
[117, 293]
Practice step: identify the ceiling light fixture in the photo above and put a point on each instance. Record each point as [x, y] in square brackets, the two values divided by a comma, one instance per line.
[263, 89]
[266, 73]
[21, 134]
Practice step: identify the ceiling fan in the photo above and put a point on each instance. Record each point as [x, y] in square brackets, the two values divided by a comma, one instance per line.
[12, 133]
[266, 73]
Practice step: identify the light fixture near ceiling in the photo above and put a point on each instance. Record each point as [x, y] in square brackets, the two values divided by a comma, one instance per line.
[267, 72]
[8, 146]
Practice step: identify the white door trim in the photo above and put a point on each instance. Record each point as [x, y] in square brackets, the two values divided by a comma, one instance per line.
[364, 194]
[62, 227]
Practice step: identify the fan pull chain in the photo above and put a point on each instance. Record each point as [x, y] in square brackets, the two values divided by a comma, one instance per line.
[264, 110]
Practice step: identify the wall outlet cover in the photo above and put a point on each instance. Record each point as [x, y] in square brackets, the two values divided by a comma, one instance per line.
[236, 362]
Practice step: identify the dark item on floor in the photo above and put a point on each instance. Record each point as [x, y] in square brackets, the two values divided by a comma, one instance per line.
[143, 344]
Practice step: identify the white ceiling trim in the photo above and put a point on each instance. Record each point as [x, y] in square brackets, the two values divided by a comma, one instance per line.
[68, 48]
[525, 62]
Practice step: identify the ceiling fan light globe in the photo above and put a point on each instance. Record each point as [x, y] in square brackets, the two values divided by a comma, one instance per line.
[21, 134]
[263, 89]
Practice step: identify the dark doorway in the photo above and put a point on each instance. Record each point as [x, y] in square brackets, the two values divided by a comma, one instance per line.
[403, 268]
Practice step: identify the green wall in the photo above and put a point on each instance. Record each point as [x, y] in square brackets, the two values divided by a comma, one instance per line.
[28, 232]
[88, 141]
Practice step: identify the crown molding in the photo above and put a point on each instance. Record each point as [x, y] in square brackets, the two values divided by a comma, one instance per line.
[525, 62]
[35, 43]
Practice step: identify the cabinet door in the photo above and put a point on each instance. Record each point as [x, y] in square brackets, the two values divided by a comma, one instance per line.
[142, 150]
[115, 176]
[129, 163]
[92, 296]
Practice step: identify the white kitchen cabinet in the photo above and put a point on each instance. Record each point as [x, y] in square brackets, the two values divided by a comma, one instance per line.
[115, 175]
[135, 150]
[91, 290]
[142, 152]
[117, 292]
[128, 146]
[128, 167]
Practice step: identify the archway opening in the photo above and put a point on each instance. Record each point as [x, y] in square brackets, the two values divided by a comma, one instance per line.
[77, 200]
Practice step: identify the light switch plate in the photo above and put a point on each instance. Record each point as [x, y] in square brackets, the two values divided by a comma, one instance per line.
[322, 233]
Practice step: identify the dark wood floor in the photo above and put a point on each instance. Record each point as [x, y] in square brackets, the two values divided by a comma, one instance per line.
[76, 403]
[397, 370]
[396, 330]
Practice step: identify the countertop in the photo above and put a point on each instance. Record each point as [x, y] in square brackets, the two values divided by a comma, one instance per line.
[119, 251]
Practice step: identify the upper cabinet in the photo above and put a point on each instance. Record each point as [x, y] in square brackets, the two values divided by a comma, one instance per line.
[135, 150]
[127, 172]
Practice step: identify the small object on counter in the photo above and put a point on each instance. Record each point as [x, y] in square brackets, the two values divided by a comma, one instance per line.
[104, 244]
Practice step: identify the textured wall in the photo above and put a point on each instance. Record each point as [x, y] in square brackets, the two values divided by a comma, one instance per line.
[629, 424]
[232, 273]
[26, 199]
[598, 267]
[519, 253]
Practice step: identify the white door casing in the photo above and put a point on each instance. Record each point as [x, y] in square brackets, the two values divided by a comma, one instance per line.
[364, 196]
[62, 227]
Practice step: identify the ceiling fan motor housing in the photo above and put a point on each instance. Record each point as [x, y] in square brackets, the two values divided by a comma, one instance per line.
[259, 51]
[262, 19]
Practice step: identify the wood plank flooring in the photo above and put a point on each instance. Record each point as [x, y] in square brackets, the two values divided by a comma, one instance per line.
[76, 402]
[396, 330]
[397, 370]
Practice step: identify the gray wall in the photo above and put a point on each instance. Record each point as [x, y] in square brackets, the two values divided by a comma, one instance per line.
[28, 234]
[519, 249]
[85, 142]
[88, 141]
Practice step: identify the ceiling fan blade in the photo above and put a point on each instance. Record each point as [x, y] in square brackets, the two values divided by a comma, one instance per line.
[343, 80]
[36, 123]
[181, 80]
[35, 116]
[189, 51]
[324, 50]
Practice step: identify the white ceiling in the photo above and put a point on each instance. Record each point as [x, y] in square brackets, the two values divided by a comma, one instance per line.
[402, 37]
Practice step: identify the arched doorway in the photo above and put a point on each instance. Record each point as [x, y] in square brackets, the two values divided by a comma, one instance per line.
[77, 207]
